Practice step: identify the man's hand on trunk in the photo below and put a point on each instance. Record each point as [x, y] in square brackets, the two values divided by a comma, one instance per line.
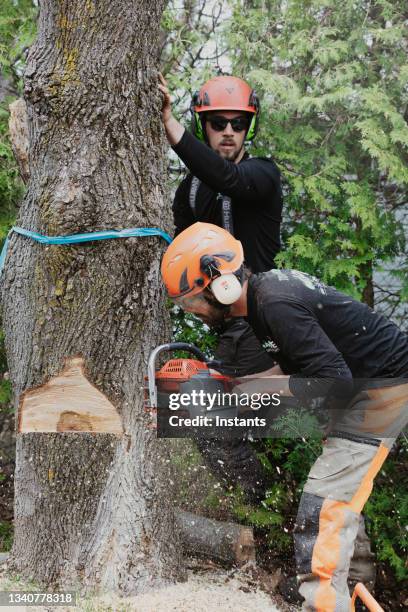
[174, 129]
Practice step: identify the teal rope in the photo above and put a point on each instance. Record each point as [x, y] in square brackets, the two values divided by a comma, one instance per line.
[78, 238]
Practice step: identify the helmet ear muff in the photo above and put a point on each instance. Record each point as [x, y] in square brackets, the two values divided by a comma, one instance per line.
[196, 123]
[198, 128]
[226, 289]
[253, 128]
[254, 123]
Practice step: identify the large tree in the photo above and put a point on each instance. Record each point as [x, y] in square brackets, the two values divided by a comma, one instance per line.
[80, 320]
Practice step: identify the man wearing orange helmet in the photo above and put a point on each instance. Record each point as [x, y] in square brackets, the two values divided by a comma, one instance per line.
[328, 345]
[226, 186]
[242, 194]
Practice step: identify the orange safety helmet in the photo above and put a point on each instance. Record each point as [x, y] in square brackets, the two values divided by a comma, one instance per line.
[224, 93]
[197, 256]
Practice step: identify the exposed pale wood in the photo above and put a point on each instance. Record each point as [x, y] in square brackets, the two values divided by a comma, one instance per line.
[220, 541]
[68, 402]
[19, 137]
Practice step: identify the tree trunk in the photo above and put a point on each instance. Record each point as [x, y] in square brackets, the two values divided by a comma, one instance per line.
[366, 273]
[218, 540]
[90, 504]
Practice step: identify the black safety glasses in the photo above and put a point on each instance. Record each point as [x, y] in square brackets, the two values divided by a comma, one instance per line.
[218, 123]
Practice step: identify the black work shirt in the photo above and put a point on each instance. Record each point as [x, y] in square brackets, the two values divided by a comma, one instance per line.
[256, 199]
[315, 332]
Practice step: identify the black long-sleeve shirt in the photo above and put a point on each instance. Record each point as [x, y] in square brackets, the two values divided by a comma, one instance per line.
[320, 334]
[256, 199]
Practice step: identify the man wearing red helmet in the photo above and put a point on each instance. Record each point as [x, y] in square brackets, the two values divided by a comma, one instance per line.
[242, 194]
[226, 186]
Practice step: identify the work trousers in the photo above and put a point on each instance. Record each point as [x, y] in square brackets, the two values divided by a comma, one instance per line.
[340, 482]
[234, 462]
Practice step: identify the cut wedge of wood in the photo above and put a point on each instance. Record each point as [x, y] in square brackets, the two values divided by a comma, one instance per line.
[68, 402]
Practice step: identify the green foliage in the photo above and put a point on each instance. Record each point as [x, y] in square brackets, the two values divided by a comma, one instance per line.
[333, 79]
[17, 31]
[259, 517]
[189, 30]
[188, 328]
[212, 500]
[299, 423]
[387, 511]
[6, 536]
[11, 186]
[5, 393]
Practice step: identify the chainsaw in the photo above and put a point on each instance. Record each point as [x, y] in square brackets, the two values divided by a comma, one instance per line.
[193, 378]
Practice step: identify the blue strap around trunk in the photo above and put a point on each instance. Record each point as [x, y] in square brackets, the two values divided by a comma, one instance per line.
[78, 238]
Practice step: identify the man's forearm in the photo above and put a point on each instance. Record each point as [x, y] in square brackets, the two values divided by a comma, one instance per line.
[174, 131]
[256, 383]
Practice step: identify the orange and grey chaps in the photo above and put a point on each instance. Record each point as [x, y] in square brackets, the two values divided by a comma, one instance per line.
[338, 486]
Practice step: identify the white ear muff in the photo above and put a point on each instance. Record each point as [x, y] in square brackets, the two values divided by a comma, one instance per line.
[226, 289]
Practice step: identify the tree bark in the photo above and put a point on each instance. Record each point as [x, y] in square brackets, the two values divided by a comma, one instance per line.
[90, 507]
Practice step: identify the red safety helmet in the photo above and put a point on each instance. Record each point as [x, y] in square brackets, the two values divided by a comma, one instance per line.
[224, 93]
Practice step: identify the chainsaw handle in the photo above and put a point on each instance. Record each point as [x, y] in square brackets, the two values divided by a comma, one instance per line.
[151, 366]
